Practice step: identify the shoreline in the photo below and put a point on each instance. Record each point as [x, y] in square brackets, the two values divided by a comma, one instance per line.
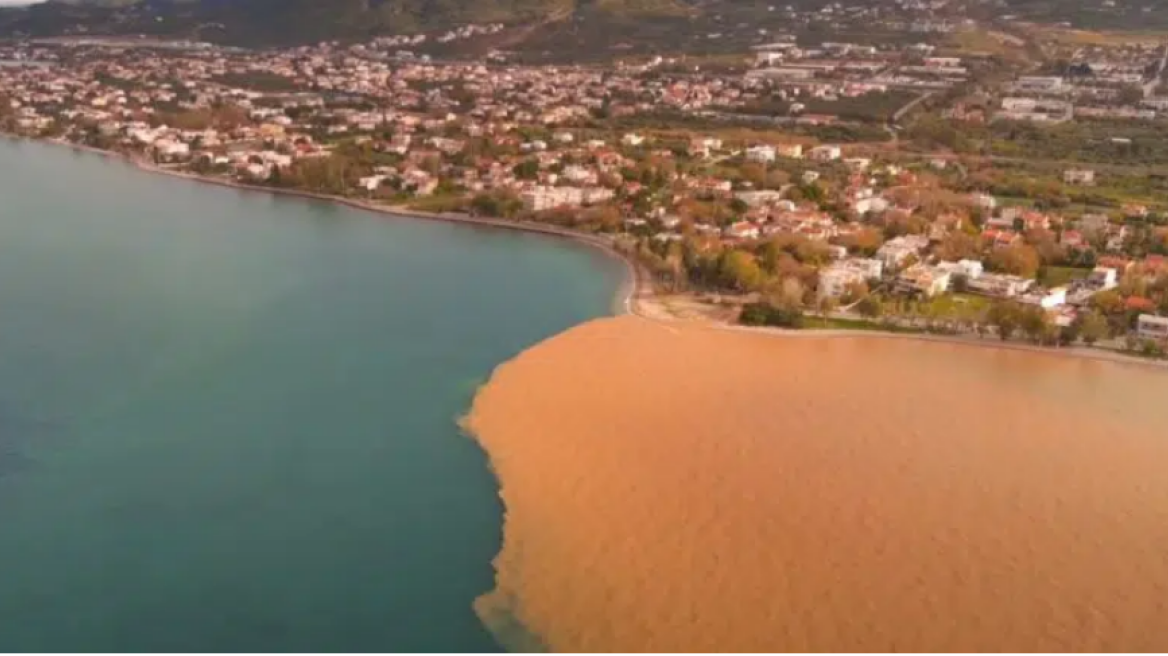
[634, 292]
[626, 298]
[1074, 352]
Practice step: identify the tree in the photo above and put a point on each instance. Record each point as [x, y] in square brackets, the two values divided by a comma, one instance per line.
[1130, 94]
[497, 204]
[786, 292]
[738, 270]
[854, 291]
[958, 246]
[1034, 322]
[870, 306]
[865, 241]
[1005, 316]
[528, 169]
[1109, 302]
[754, 173]
[826, 305]
[765, 314]
[1019, 260]
[1093, 327]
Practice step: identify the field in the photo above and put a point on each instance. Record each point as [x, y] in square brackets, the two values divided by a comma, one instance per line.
[1058, 276]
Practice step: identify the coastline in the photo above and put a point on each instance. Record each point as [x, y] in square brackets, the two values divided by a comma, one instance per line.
[632, 294]
[625, 301]
[636, 295]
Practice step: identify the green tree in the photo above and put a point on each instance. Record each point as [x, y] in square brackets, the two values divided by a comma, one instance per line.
[870, 306]
[528, 169]
[1005, 316]
[1130, 94]
[1109, 302]
[1034, 322]
[739, 270]
[1093, 327]
[1019, 259]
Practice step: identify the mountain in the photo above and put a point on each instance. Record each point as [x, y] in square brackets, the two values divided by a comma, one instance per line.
[281, 22]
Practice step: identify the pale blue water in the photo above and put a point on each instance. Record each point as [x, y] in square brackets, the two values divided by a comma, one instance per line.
[227, 420]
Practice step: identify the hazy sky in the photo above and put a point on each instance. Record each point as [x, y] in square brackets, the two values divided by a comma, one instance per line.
[9, 3]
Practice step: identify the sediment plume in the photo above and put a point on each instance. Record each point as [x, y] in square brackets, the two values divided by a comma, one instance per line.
[677, 488]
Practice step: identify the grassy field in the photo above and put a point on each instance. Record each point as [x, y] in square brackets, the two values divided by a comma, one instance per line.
[818, 323]
[953, 305]
[1057, 276]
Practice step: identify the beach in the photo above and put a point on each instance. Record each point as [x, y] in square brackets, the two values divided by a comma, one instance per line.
[675, 486]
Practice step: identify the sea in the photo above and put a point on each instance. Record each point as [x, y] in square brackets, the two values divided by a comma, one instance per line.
[229, 420]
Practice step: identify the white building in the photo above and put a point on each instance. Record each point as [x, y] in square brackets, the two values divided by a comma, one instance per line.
[923, 279]
[762, 154]
[172, 148]
[1046, 299]
[632, 139]
[1102, 278]
[835, 279]
[538, 199]
[1079, 176]
[1150, 326]
[1001, 285]
[793, 151]
[969, 269]
[984, 201]
[896, 251]
[825, 153]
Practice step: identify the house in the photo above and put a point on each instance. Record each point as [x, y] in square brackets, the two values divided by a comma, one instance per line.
[1094, 222]
[895, 252]
[704, 146]
[1073, 239]
[1001, 285]
[632, 139]
[874, 204]
[1150, 326]
[742, 230]
[968, 269]
[1046, 299]
[1079, 176]
[857, 164]
[825, 153]
[792, 151]
[923, 279]
[762, 154]
[984, 201]
[371, 183]
[538, 199]
[1135, 211]
[760, 197]
[835, 279]
[1102, 278]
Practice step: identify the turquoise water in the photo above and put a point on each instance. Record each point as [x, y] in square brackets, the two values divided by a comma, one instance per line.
[227, 419]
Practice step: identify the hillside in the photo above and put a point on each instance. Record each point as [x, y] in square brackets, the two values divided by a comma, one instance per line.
[280, 22]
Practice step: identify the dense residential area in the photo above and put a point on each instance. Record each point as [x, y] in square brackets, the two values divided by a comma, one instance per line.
[994, 183]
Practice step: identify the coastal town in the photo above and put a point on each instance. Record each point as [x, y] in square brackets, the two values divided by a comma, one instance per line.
[966, 181]
[583, 326]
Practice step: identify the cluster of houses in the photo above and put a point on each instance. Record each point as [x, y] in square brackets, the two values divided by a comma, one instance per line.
[1098, 82]
[835, 69]
[421, 120]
